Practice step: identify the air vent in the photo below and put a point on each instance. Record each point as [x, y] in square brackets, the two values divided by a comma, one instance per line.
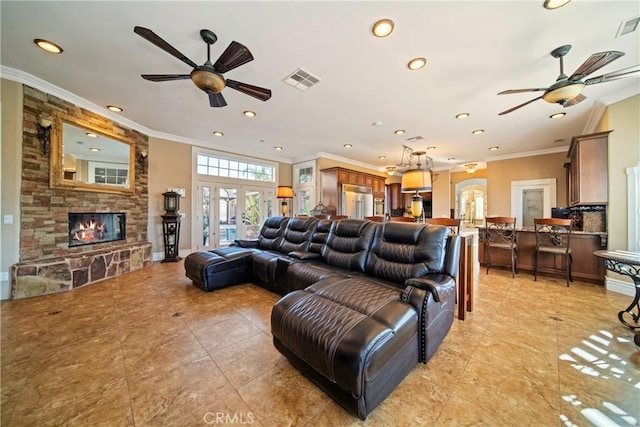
[628, 26]
[301, 79]
[415, 138]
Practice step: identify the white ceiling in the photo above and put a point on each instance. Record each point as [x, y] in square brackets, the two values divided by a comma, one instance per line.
[474, 50]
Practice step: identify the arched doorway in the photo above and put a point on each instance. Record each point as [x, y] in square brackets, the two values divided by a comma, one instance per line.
[471, 201]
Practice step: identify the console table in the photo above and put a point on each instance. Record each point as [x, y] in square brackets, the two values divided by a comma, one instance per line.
[628, 264]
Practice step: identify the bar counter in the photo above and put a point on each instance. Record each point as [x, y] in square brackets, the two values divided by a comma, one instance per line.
[586, 266]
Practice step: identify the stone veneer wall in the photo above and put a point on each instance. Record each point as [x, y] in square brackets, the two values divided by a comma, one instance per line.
[44, 222]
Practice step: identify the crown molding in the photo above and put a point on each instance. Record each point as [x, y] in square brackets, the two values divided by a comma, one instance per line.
[561, 149]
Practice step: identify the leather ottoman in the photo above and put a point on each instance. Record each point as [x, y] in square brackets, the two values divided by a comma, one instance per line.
[218, 268]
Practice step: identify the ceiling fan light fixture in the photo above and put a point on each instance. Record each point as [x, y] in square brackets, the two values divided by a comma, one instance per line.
[554, 4]
[417, 63]
[206, 79]
[48, 46]
[563, 93]
[382, 28]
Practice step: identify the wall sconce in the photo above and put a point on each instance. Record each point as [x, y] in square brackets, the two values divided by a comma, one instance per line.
[142, 161]
[284, 193]
[471, 167]
[44, 133]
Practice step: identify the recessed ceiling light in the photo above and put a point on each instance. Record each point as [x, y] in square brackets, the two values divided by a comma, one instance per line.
[382, 28]
[399, 131]
[554, 4]
[478, 131]
[417, 63]
[48, 46]
[462, 115]
[494, 148]
[348, 145]
[431, 148]
[114, 108]
[557, 115]
[451, 159]
[277, 148]
[96, 149]
[218, 133]
[91, 134]
[249, 113]
[382, 157]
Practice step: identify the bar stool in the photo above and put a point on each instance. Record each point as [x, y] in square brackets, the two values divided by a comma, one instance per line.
[553, 236]
[452, 223]
[500, 235]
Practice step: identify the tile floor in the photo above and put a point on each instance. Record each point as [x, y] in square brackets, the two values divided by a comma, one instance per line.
[149, 348]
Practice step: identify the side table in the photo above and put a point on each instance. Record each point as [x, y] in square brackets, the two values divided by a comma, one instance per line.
[628, 264]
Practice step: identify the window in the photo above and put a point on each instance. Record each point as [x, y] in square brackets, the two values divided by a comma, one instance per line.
[232, 168]
[304, 186]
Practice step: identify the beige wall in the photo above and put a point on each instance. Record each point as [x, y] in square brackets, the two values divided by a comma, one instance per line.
[624, 152]
[11, 160]
[501, 173]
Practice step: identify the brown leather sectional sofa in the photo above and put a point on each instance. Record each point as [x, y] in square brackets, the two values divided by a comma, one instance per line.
[364, 302]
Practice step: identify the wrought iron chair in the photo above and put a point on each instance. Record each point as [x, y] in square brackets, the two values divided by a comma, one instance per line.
[500, 235]
[452, 223]
[553, 236]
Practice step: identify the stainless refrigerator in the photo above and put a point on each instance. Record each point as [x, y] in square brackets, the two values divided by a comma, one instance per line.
[357, 202]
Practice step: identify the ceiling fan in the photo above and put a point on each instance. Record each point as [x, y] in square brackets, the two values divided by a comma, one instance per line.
[566, 91]
[208, 77]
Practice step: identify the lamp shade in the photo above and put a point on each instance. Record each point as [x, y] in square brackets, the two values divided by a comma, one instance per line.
[284, 192]
[416, 180]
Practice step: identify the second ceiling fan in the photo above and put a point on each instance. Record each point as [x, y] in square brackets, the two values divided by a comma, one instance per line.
[567, 91]
[208, 77]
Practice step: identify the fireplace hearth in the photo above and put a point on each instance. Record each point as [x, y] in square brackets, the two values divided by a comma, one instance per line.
[88, 228]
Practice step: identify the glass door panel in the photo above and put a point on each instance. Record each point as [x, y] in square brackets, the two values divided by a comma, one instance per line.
[227, 210]
[252, 216]
[204, 237]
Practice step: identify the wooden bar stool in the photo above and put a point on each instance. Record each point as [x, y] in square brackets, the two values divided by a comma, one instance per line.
[553, 236]
[500, 235]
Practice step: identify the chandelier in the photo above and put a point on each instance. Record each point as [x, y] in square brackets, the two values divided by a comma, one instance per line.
[471, 167]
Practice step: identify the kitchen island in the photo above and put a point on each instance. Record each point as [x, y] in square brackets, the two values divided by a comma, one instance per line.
[586, 266]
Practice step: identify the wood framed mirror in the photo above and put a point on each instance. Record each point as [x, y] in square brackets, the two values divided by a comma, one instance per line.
[85, 157]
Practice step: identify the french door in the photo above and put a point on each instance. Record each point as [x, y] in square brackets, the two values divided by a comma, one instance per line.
[225, 212]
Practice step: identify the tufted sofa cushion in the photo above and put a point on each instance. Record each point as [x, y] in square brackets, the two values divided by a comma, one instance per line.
[271, 233]
[348, 243]
[401, 251]
[297, 235]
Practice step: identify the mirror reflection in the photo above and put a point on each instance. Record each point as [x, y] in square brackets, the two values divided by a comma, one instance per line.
[93, 158]
[85, 158]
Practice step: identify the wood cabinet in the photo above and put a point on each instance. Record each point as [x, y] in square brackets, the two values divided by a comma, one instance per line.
[334, 178]
[587, 179]
[586, 266]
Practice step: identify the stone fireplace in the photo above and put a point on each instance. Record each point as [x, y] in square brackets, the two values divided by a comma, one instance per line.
[51, 259]
[96, 227]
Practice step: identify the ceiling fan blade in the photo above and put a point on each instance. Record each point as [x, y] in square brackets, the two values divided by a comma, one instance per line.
[257, 92]
[506, 92]
[234, 56]
[152, 37]
[573, 101]
[519, 106]
[633, 71]
[594, 63]
[165, 77]
[216, 99]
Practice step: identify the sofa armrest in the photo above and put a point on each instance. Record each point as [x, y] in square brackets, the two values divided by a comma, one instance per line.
[304, 256]
[245, 243]
[441, 286]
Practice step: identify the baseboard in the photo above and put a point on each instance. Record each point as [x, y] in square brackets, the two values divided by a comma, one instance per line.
[159, 256]
[620, 286]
